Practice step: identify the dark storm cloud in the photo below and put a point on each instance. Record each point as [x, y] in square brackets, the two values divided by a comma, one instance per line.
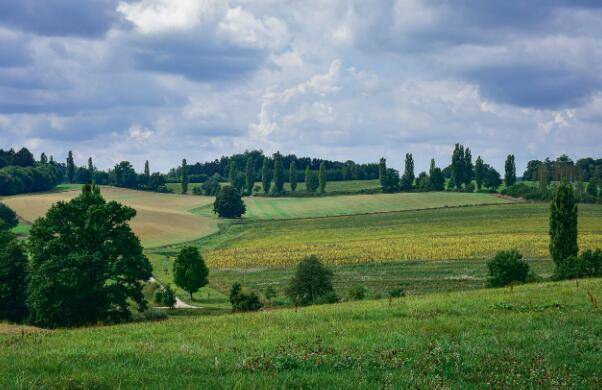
[87, 18]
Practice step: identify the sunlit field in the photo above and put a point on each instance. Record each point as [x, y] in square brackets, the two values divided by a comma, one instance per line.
[161, 218]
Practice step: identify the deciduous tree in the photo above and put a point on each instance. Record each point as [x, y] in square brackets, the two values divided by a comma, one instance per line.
[189, 270]
[563, 224]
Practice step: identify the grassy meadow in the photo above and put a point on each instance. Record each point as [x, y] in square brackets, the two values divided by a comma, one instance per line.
[540, 335]
[161, 218]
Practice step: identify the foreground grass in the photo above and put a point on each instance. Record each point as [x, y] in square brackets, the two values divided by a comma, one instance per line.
[541, 335]
[442, 234]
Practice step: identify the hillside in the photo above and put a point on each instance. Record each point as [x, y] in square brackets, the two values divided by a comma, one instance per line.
[543, 335]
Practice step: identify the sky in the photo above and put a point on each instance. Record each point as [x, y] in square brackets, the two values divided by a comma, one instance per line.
[169, 79]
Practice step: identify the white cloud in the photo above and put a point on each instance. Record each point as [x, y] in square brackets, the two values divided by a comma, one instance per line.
[140, 134]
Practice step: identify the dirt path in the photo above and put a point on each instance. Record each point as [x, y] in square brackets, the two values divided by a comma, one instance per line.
[180, 304]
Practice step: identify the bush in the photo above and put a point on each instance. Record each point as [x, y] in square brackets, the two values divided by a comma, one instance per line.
[243, 300]
[8, 218]
[588, 265]
[229, 204]
[525, 191]
[312, 283]
[165, 296]
[470, 187]
[209, 188]
[396, 292]
[507, 267]
[357, 293]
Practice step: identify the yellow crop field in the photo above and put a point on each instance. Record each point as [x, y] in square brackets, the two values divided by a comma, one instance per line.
[161, 218]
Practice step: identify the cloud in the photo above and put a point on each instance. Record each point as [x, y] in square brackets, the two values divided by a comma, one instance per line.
[92, 18]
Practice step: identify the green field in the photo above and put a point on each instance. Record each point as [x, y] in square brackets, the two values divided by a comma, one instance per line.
[439, 234]
[332, 186]
[540, 335]
[287, 208]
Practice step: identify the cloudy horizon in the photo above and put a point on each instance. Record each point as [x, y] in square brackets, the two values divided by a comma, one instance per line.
[196, 79]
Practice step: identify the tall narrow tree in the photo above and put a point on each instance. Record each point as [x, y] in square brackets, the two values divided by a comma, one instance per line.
[90, 166]
[266, 179]
[407, 180]
[479, 172]
[432, 167]
[70, 167]
[563, 224]
[543, 173]
[510, 171]
[278, 173]
[232, 173]
[468, 167]
[250, 176]
[322, 177]
[43, 158]
[382, 169]
[184, 174]
[292, 175]
[146, 175]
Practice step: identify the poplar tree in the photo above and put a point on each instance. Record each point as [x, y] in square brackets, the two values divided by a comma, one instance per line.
[292, 175]
[90, 166]
[479, 171]
[468, 167]
[322, 177]
[563, 224]
[250, 176]
[407, 180]
[278, 173]
[266, 180]
[146, 176]
[184, 174]
[510, 171]
[457, 166]
[432, 167]
[233, 173]
[43, 158]
[382, 170]
[70, 167]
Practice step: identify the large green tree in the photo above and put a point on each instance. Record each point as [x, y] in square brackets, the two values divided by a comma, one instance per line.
[228, 203]
[278, 173]
[13, 278]
[563, 224]
[184, 174]
[322, 179]
[292, 175]
[70, 167]
[189, 270]
[86, 263]
[266, 178]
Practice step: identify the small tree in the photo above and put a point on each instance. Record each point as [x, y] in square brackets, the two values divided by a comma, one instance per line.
[357, 292]
[165, 296]
[8, 218]
[13, 279]
[311, 180]
[592, 187]
[292, 175]
[312, 282]
[189, 270]
[184, 177]
[507, 267]
[322, 177]
[563, 224]
[437, 180]
[228, 203]
[266, 179]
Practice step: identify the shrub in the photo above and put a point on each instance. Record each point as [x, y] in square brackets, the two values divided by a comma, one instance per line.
[507, 267]
[357, 293]
[470, 187]
[396, 292]
[8, 218]
[228, 203]
[311, 282]
[243, 300]
[209, 188]
[165, 296]
[589, 264]
[269, 293]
